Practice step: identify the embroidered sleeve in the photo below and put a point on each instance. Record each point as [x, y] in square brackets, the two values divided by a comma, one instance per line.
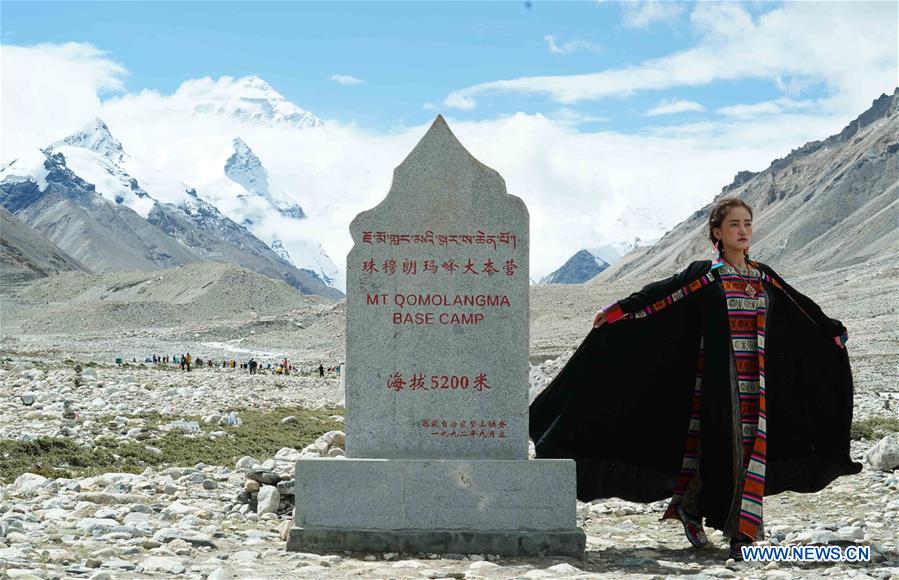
[656, 296]
[613, 312]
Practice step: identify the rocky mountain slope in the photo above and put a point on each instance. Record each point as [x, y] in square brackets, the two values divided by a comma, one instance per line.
[828, 204]
[100, 205]
[26, 255]
[83, 302]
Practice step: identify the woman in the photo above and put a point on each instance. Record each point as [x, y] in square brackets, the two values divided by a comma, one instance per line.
[714, 387]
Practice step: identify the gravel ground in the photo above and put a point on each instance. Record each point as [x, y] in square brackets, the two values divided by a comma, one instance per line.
[120, 525]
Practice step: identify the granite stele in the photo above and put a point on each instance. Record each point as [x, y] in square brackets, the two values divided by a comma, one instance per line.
[437, 378]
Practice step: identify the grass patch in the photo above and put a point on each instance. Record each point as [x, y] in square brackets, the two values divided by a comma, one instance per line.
[60, 457]
[874, 428]
[260, 435]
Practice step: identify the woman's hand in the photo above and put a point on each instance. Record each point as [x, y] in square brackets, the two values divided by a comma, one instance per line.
[841, 340]
[599, 319]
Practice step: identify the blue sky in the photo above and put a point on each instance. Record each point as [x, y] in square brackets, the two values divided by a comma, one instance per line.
[610, 120]
[407, 53]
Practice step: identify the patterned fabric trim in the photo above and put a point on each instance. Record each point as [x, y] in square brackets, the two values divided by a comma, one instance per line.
[681, 292]
[613, 312]
[747, 321]
[751, 520]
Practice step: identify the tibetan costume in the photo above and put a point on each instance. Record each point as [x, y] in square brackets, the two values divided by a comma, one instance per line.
[713, 388]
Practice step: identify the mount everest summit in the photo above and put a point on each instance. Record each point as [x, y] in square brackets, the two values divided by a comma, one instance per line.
[248, 99]
[109, 211]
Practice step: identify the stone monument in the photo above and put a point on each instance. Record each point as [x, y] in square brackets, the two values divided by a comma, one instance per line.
[437, 378]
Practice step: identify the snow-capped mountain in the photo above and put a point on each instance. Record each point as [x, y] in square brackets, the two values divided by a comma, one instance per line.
[587, 263]
[244, 192]
[613, 252]
[221, 136]
[579, 268]
[245, 99]
[110, 212]
[244, 168]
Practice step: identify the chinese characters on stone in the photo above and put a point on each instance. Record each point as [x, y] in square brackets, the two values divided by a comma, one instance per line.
[417, 382]
[484, 429]
[411, 267]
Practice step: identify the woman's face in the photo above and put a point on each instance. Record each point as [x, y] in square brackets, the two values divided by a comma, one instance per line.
[735, 230]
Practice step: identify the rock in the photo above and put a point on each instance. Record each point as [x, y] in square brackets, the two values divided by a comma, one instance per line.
[166, 535]
[268, 500]
[138, 433]
[264, 476]
[566, 569]
[162, 564]
[333, 439]
[287, 487]
[284, 529]
[220, 574]
[210, 484]
[183, 427]
[885, 454]
[245, 462]
[97, 526]
[177, 509]
[287, 454]
[816, 537]
[17, 538]
[29, 483]
[245, 556]
[251, 486]
[289, 420]
[850, 533]
[104, 498]
[117, 564]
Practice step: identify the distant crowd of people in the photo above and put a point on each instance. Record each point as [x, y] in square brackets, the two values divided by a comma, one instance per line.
[252, 366]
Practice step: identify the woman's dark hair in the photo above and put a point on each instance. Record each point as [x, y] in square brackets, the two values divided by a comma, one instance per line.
[719, 211]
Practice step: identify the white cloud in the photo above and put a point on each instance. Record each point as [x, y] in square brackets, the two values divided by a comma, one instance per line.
[642, 14]
[569, 46]
[577, 184]
[347, 80]
[671, 107]
[49, 91]
[572, 117]
[772, 107]
[459, 101]
[850, 47]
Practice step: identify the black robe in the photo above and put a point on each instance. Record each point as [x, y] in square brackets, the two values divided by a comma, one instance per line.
[621, 405]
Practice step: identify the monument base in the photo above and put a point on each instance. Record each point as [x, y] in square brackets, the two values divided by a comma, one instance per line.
[508, 507]
[502, 542]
